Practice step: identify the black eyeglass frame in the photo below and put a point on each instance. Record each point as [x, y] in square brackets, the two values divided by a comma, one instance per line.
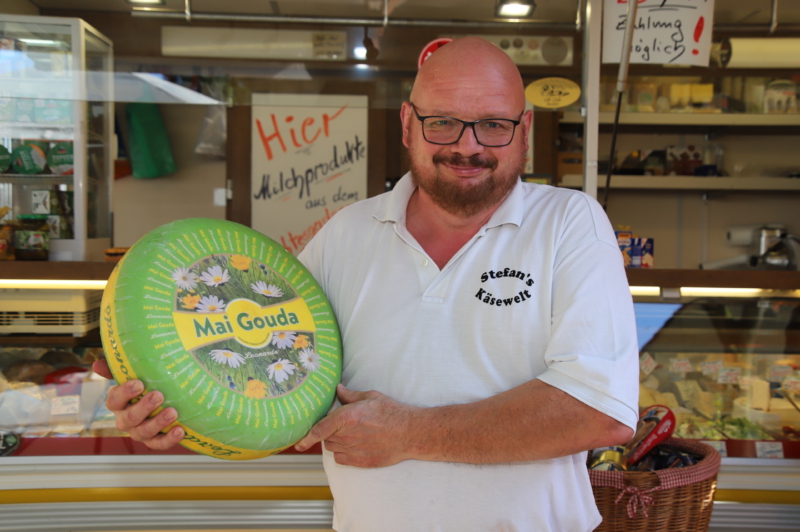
[464, 125]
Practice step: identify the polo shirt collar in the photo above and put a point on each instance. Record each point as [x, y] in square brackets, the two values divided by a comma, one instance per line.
[394, 210]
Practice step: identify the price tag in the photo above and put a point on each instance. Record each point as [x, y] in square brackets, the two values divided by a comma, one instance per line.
[681, 365]
[729, 375]
[779, 372]
[712, 368]
[769, 449]
[720, 446]
[792, 383]
[66, 404]
[646, 363]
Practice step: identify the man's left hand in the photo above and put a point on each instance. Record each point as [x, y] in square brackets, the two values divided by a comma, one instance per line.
[369, 430]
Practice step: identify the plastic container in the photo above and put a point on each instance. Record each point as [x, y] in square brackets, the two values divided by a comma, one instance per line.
[32, 237]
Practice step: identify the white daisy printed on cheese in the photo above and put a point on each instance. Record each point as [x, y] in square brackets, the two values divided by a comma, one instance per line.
[215, 276]
[226, 356]
[266, 290]
[210, 304]
[283, 339]
[310, 359]
[281, 370]
[184, 278]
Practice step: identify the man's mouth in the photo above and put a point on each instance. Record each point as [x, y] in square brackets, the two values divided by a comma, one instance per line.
[466, 166]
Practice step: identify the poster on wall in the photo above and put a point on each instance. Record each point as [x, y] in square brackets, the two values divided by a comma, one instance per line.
[667, 32]
[309, 160]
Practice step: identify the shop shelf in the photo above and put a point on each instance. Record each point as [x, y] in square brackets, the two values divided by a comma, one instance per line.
[691, 119]
[671, 182]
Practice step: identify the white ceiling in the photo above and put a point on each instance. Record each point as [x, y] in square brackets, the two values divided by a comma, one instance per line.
[726, 11]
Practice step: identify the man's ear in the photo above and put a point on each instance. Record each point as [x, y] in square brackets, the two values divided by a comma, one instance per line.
[405, 119]
[527, 121]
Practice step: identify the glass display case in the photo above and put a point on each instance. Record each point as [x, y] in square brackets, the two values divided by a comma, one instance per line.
[56, 125]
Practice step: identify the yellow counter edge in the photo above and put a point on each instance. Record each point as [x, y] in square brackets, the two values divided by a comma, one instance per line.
[284, 493]
[176, 493]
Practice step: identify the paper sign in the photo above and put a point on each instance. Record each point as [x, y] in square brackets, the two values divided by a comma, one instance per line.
[675, 32]
[729, 375]
[681, 365]
[647, 364]
[720, 446]
[769, 449]
[792, 383]
[66, 404]
[712, 368]
[309, 160]
[779, 372]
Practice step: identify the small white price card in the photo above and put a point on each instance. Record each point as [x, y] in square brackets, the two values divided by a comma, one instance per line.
[66, 404]
[769, 449]
[729, 375]
[779, 372]
[681, 365]
[712, 368]
[792, 383]
[646, 363]
[719, 446]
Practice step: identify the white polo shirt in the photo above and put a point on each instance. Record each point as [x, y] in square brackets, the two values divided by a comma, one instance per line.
[539, 292]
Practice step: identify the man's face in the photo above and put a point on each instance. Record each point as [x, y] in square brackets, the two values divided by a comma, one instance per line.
[465, 178]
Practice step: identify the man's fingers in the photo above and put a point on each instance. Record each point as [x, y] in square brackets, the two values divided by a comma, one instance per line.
[151, 428]
[162, 442]
[101, 368]
[321, 431]
[347, 396]
[119, 396]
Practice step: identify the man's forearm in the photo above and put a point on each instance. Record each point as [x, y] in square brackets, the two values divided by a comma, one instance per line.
[534, 421]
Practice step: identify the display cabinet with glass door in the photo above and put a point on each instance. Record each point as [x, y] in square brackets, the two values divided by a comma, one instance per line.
[56, 124]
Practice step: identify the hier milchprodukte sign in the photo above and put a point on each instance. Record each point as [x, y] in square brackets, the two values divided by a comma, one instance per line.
[309, 160]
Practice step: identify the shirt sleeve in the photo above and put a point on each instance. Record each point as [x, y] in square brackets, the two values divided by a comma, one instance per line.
[593, 352]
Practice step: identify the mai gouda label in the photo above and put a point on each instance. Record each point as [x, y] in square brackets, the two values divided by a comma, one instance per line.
[243, 321]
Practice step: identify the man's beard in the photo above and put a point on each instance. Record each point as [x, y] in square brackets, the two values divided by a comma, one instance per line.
[460, 196]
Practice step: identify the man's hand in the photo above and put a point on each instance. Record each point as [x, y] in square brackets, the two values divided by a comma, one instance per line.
[134, 419]
[369, 430]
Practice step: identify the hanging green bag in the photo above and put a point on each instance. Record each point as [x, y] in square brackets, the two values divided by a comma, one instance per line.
[150, 152]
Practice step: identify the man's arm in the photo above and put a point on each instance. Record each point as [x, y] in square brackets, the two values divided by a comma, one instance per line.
[534, 421]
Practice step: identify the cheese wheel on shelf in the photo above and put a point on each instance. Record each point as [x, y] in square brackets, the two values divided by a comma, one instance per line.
[231, 328]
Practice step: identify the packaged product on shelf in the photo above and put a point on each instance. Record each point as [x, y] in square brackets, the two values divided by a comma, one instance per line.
[646, 251]
[780, 96]
[6, 236]
[60, 227]
[645, 95]
[28, 158]
[62, 202]
[60, 158]
[624, 237]
[53, 111]
[5, 159]
[32, 237]
[8, 109]
[40, 201]
[683, 160]
[702, 93]
[680, 94]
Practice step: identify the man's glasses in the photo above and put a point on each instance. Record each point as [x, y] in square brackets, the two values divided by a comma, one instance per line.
[489, 132]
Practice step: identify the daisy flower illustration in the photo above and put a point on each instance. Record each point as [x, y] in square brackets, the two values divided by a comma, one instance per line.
[310, 359]
[283, 339]
[255, 389]
[302, 341]
[190, 301]
[226, 356]
[215, 276]
[279, 371]
[210, 304]
[184, 278]
[266, 290]
[240, 262]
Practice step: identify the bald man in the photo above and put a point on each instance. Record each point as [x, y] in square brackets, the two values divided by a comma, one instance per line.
[488, 329]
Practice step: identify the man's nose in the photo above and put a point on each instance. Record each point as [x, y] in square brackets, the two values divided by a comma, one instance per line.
[468, 144]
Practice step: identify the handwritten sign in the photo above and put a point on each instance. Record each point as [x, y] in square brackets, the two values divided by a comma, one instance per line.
[729, 375]
[712, 368]
[674, 32]
[681, 365]
[647, 364]
[769, 449]
[309, 160]
[552, 93]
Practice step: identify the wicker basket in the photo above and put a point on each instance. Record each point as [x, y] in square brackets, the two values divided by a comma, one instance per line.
[669, 500]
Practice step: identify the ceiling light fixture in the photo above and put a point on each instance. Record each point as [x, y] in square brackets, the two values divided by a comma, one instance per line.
[515, 8]
[147, 2]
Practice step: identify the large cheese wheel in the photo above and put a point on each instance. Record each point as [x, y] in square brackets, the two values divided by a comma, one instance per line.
[231, 328]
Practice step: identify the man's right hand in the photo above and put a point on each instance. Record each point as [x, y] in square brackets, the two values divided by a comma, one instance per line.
[134, 419]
